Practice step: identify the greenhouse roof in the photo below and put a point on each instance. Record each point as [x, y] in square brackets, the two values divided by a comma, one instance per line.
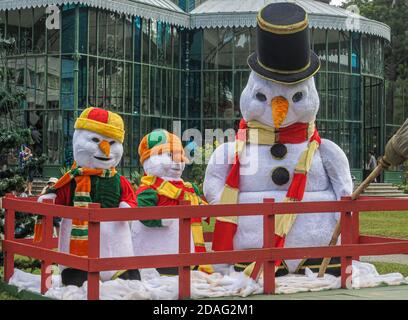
[242, 13]
[221, 13]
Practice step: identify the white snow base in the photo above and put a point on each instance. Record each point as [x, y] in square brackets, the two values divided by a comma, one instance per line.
[155, 287]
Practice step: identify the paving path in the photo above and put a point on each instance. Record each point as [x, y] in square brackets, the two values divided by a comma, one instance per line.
[392, 258]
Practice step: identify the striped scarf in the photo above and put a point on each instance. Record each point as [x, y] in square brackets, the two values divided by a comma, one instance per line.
[82, 198]
[257, 133]
[186, 192]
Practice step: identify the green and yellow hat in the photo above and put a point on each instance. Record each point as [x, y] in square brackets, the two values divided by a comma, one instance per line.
[161, 141]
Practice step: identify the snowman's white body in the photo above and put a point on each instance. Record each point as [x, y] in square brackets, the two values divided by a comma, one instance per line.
[115, 237]
[328, 178]
[159, 240]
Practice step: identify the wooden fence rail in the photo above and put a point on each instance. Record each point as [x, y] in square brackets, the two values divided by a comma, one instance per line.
[353, 245]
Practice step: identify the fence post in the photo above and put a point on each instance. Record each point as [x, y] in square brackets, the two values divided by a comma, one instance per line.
[46, 242]
[184, 247]
[269, 242]
[94, 239]
[346, 238]
[9, 222]
[356, 230]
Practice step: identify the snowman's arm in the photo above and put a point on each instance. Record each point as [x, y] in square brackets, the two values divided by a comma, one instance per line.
[337, 168]
[217, 171]
[147, 197]
[127, 197]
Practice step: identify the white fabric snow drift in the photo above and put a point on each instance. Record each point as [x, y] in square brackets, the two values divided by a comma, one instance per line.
[155, 287]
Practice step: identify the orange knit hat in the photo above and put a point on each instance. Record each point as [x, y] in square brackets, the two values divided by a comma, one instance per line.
[101, 121]
[161, 141]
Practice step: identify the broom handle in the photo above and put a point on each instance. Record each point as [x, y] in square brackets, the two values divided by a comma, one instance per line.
[337, 230]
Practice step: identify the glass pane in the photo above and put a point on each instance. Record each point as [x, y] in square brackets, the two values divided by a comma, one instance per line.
[138, 38]
[39, 30]
[128, 88]
[169, 46]
[26, 30]
[365, 62]
[210, 48]
[333, 46]
[82, 83]
[67, 82]
[30, 82]
[356, 54]
[355, 99]
[92, 74]
[68, 29]
[13, 29]
[344, 51]
[333, 96]
[196, 45]
[19, 72]
[92, 31]
[136, 89]
[225, 41]
[54, 128]
[102, 33]
[241, 47]
[153, 42]
[210, 94]
[161, 29]
[319, 46]
[146, 40]
[119, 39]
[101, 83]
[194, 101]
[177, 48]
[145, 89]
[225, 99]
[40, 83]
[110, 34]
[67, 134]
[2, 24]
[240, 81]
[176, 91]
[83, 29]
[320, 81]
[128, 38]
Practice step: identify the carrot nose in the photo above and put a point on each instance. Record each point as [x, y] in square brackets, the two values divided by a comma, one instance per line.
[280, 108]
[105, 147]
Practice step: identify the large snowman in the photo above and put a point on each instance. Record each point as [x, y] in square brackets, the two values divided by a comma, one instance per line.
[278, 152]
[98, 149]
[163, 159]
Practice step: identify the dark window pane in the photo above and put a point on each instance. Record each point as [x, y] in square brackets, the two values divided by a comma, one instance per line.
[241, 47]
[176, 91]
[128, 88]
[176, 48]
[39, 30]
[82, 81]
[153, 42]
[210, 94]
[83, 29]
[101, 83]
[196, 45]
[356, 54]
[119, 39]
[110, 35]
[92, 73]
[344, 51]
[53, 82]
[161, 29]
[92, 31]
[225, 42]
[128, 38]
[194, 101]
[225, 103]
[67, 82]
[138, 38]
[26, 30]
[102, 33]
[2, 24]
[169, 46]
[136, 89]
[146, 40]
[68, 29]
[13, 22]
[145, 89]
[319, 46]
[240, 81]
[210, 48]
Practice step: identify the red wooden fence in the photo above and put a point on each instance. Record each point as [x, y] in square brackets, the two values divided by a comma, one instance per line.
[352, 245]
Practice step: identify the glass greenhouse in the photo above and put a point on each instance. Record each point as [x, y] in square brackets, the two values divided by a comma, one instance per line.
[156, 61]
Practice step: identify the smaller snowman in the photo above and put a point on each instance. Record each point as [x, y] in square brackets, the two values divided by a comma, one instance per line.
[98, 148]
[163, 159]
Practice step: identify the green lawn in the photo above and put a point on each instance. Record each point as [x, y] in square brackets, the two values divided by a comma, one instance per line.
[385, 223]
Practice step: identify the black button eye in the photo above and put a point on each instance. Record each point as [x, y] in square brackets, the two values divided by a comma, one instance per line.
[96, 140]
[261, 97]
[112, 142]
[297, 96]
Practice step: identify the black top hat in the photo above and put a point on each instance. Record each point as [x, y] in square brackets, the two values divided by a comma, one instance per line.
[283, 51]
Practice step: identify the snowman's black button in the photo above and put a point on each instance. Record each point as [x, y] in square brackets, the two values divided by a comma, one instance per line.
[279, 151]
[280, 176]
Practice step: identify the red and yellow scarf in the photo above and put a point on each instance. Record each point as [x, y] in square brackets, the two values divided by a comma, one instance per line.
[257, 133]
[82, 198]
